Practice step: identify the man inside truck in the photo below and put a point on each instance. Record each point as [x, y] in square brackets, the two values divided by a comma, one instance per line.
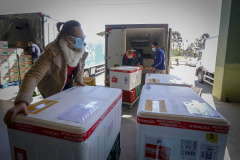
[159, 60]
[34, 50]
[132, 58]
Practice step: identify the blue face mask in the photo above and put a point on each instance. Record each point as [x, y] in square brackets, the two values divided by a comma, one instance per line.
[153, 49]
[79, 43]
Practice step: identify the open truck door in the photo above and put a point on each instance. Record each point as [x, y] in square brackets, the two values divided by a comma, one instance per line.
[115, 47]
[168, 54]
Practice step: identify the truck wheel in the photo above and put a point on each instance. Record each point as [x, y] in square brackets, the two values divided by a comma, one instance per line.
[200, 76]
[86, 74]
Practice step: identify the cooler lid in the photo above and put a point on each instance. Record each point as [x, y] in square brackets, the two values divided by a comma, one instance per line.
[125, 69]
[76, 110]
[164, 79]
[176, 103]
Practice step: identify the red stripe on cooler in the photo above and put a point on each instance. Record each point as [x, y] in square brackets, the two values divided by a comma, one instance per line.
[123, 71]
[183, 125]
[63, 134]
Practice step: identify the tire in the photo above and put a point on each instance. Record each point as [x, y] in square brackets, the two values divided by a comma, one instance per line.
[86, 74]
[200, 76]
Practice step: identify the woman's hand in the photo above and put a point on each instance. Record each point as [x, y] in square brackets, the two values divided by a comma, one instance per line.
[21, 107]
[81, 84]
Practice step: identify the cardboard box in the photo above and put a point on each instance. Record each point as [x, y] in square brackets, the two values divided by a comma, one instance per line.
[80, 123]
[174, 123]
[24, 70]
[4, 59]
[19, 51]
[14, 66]
[4, 65]
[4, 72]
[24, 64]
[4, 80]
[3, 44]
[14, 71]
[7, 51]
[14, 78]
[24, 58]
[125, 77]
[12, 60]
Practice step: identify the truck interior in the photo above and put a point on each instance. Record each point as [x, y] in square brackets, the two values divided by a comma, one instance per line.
[141, 40]
[18, 29]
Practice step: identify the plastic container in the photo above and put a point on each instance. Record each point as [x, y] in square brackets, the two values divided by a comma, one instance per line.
[138, 90]
[80, 123]
[129, 96]
[125, 77]
[164, 79]
[174, 123]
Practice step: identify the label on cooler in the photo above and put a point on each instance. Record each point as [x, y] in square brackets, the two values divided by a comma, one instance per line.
[153, 80]
[155, 106]
[40, 106]
[188, 150]
[200, 109]
[74, 137]
[79, 113]
[157, 148]
[211, 137]
[125, 80]
[183, 125]
[115, 79]
[209, 152]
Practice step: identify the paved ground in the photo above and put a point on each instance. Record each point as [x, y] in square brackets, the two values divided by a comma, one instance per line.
[230, 111]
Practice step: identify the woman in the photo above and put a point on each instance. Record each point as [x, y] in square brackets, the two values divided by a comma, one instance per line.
[62, 61]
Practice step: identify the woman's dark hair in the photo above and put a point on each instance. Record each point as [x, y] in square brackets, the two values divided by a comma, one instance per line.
[66, 28]
[155, 44]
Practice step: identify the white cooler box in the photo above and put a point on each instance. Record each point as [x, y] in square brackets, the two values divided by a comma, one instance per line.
[165, 79]
[125, 77]
[80, 123]
[174, 123]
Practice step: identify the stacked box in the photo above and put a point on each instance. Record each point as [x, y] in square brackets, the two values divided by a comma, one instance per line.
[174, 123]
[3, 44]
[138, 91]
[4, 80]
[147, 63]
[78, 123]
[125, 77]
[164, 79]
[9, 64]
[129, 96]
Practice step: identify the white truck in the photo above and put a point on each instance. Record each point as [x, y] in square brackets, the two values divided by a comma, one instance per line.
[206, 64]
[120, 38]
[41, 29]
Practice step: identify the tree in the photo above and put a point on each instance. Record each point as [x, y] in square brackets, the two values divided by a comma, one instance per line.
[200, 43]
[176, 38]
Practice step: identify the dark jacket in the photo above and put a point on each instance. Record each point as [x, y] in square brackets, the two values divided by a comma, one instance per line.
[159, 60]
[137, 58]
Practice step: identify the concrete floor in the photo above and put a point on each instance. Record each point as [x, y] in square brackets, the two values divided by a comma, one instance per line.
[230, 111]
